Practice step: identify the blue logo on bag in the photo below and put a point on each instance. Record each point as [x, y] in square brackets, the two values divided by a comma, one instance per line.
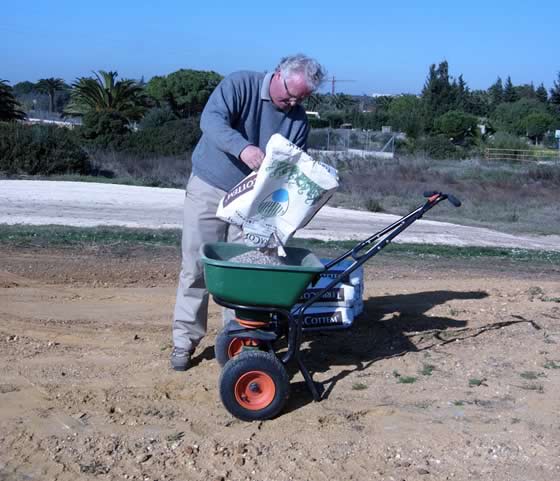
[276, 204]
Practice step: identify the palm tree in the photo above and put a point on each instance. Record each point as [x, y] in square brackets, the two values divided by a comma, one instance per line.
[104, 94]
[312, 102]
[50, 86]
[9, 106]
[342, 101]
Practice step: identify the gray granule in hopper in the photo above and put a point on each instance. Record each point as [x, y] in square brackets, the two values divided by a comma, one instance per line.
[257, 257]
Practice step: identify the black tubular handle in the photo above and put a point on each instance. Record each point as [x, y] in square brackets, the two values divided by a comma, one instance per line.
[451, 198]
[456, 202]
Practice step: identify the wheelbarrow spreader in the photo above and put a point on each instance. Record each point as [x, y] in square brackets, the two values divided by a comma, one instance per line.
[254, 383]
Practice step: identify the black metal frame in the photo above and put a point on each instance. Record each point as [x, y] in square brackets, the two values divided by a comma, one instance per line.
[295, 320]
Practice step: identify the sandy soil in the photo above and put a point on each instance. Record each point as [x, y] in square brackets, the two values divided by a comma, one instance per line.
[86, 392]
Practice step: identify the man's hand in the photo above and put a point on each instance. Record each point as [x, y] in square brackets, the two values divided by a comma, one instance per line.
[252, 156]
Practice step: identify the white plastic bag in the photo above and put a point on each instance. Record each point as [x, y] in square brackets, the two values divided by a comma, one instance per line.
[325, 317]
[283, 196]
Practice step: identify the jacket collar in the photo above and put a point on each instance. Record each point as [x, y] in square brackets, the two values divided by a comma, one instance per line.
[265, 87]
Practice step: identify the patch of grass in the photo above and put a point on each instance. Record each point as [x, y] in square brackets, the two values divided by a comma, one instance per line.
[404, 379]
[551, 365]
[64, 236]
[474, 382]
[531, 375]
[438, 251]
[533, 387]
[98, 179]
[359, 386]
[498, 195]
[458, 403]
[550, 299]
[407, 379]
[454, 312]
[515, 420]
[373, 205]
[427, 369]
[535, 291]
[175, 436]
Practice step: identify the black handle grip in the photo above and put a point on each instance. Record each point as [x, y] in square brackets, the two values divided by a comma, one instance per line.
[451, 198]
[429, 193]
[456, 202]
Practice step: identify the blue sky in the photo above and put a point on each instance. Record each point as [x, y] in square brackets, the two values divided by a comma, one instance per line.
[384, 47]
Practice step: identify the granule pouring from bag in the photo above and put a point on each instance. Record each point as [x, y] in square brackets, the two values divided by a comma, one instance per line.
[283, 196]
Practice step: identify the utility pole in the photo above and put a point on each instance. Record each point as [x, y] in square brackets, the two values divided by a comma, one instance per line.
[557, 135]
[334, 81]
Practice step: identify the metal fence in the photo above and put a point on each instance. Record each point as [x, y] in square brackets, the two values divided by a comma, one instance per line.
[37, 116]
[351, 140]
[523, 155]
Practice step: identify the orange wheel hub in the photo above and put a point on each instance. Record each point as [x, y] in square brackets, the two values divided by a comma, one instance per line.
[237, 344]
[254, 390]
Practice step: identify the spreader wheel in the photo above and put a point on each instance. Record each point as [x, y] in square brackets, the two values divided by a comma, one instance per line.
[254, 386]
[228, 346]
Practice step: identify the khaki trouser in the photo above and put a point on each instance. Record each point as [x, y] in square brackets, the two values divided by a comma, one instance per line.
[200, 225]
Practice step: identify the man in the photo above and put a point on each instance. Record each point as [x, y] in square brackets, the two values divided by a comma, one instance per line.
[241, 115]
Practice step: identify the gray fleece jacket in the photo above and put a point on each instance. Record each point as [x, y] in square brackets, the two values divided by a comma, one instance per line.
[240, 113]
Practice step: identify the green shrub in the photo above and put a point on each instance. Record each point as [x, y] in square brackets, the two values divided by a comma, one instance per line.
[103, 127]
[157, 117]
[537, 125]
[172, 138]
[510, 116]
[459, 127]
[373, 205]
[40, 150]
[439, 147]
[334, 119]
[316, 123]
[505, 140]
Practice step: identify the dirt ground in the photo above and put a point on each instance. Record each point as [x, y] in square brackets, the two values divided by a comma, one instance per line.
[451, 373]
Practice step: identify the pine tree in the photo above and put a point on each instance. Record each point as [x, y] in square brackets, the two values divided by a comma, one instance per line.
[9, 106]
[510, 95]
[462, 93]
[541, 93]
[496, 93]
[555, 93]
[438, 93]
[525, 91]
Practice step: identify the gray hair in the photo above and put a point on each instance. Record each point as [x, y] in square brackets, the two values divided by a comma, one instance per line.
[312, 70]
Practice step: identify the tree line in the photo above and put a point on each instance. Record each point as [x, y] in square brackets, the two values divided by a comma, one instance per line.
[447, 114]
[450, 111]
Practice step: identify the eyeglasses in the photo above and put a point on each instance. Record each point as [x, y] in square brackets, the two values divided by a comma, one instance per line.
[292, 98]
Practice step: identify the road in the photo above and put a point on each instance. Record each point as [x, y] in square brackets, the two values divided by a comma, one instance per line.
[86, 204]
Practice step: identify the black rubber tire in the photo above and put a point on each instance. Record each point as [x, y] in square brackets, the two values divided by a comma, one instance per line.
[221, 347]
[254, 361]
